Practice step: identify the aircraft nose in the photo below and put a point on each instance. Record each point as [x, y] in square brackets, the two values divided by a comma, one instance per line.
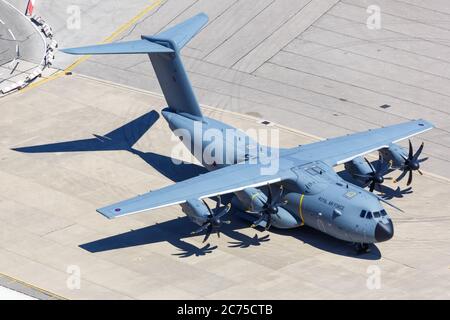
[384, 231]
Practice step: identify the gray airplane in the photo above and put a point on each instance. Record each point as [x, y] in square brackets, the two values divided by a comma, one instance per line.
[303, 190]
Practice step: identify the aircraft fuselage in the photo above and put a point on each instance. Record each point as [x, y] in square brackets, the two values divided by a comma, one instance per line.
[316, 196]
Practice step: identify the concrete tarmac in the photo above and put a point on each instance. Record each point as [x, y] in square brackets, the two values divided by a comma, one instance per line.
[312, 68]
[49, 226]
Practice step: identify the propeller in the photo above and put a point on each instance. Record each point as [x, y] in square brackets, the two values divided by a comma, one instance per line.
[412, 163]
[214, 221]
[376, 177]
[270, 208]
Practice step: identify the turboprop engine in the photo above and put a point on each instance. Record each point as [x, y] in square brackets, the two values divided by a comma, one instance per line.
[268, 209]
[395, 154]
[196, 210]
[363, 170]
[200, 213]
[406, 160]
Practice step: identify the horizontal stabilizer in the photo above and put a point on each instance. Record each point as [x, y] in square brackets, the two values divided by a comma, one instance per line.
[182, 33]
[128, 47]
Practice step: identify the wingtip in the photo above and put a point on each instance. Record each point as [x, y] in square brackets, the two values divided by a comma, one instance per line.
[423, 122]
[203, 15]
[105, 214]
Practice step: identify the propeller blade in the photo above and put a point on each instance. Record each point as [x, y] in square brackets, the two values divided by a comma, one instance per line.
[269, 224]
[384, 166]
[209, 209]
[370, 165]
[208, 233]
[269, 195]
[410, 178]
[388, 178]
[261, 219]
[419, 151]
[224, 211]
[423, 160]
[372, 186]
[401, 176]
[277, 197]
[410, 154]
[420, 171]
[219, 202]
[380, 164]
[201, 229]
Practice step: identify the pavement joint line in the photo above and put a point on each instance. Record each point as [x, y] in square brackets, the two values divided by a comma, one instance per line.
[109, 39]
[30, 286]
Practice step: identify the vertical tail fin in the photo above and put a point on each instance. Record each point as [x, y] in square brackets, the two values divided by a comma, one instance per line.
[163, 50]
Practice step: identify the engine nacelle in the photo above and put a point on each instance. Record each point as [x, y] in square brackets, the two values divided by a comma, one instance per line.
[394, 153]
[196, 210]
[251, 199]
[358, 166]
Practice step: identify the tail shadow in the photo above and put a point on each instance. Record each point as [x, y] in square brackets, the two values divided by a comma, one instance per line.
[123, 139]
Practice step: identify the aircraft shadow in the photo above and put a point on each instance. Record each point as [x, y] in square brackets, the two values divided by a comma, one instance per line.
[324, 242]
[329, 244]
[175, 230]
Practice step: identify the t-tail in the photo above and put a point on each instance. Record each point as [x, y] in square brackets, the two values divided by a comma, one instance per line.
[164, 52]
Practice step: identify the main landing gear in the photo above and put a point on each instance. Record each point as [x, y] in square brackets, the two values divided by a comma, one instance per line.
[361, 248]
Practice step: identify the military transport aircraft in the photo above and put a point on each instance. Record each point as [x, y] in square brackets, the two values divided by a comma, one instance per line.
[303, 190]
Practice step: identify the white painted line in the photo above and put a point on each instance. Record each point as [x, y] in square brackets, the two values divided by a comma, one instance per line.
[1, 21]
[12, 34]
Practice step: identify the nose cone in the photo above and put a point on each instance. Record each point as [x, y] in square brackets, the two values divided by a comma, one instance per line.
[384, 231]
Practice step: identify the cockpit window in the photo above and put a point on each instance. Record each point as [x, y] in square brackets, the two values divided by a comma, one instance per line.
[376, 214]
[369, 215]
[383, 213]
[363, 214]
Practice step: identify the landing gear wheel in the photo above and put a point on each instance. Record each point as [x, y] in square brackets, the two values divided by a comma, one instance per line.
[362, 248]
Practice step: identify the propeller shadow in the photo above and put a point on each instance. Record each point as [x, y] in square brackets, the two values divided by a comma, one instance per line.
[250, 242]
[388, 193]
[172, 231]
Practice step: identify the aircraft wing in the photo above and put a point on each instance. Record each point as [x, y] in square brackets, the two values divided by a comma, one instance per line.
[343, 149]
[222, 181]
